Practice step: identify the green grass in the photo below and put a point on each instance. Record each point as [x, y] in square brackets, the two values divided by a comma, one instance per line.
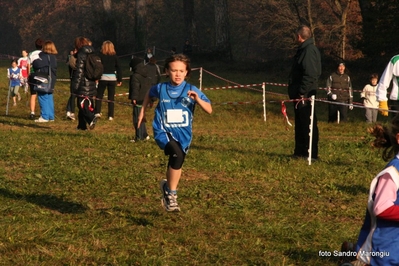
[92, 198]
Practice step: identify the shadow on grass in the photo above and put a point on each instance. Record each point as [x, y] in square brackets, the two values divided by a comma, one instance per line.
[4, 119]
[142, 219]
[46, 201]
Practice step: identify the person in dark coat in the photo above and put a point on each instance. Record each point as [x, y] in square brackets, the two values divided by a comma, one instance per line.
[84, 88]
[153, 71]
[303, 83]
[139, 85]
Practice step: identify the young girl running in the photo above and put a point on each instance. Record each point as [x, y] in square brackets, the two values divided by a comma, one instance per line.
[172, 123]
[378, 242]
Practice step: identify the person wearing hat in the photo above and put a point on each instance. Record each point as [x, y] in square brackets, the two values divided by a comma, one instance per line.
[340, 93]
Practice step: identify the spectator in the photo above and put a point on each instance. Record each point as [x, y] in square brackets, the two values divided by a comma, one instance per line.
[32, 57]
[370, 100]
[339, 90]
[85, 89]
[139, 85]
[14, 75]
[112, 77]
[148, 55]
[172, 123]
[45, 61]
[302, 84]
[70, 108]
[153, 71]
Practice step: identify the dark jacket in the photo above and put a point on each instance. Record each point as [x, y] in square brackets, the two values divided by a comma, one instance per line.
[340, 85]
[154, 73]
[305, 72]
[111, 65]
[41, 65]
[139, 83]
[79, 84]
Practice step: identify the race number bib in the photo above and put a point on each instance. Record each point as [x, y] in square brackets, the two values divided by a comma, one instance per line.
[174, 116]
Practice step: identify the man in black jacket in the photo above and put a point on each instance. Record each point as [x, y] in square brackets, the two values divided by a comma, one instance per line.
[303, 83]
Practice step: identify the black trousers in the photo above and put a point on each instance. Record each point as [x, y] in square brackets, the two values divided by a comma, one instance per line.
[102, 85]
[333, 115]
[86, 112]
[141, 132]
[302, 130]
[393, 105]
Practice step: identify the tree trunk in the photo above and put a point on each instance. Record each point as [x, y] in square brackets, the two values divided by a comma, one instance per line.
[189, 22]
[140, 28]
[310, 19]
[222, 30]
[109, 24]
[343, 24]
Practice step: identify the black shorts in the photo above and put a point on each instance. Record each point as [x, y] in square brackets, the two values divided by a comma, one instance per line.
[176, 154]
[32, 91]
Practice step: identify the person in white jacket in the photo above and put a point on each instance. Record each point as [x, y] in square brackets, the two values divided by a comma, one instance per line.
[391, 73]
[370, 100]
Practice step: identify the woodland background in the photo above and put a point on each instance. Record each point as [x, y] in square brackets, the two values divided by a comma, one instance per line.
[255, 31]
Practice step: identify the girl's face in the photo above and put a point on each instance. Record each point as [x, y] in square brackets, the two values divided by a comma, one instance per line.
[13, 64]
[374, 81]
[24, 54]
[177, 72]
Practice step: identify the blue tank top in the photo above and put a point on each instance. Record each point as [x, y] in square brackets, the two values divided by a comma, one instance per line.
[174, 113]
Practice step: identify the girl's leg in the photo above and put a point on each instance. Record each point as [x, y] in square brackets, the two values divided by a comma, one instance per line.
[111, 97]
[81, 119]
[173, 178]
[14, 94]
[100, 95]
[176, 159]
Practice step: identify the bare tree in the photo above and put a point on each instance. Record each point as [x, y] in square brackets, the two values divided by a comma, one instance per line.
[140, 28]
[340, 10]
[189, 21]
[108, 25]
[222, 29]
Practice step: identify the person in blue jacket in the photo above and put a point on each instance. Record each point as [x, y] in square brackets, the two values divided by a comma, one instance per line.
[172, 124]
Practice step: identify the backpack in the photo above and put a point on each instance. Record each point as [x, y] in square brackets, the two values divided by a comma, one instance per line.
[93, 67]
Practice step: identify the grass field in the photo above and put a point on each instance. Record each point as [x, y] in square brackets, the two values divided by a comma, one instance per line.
[92, 198]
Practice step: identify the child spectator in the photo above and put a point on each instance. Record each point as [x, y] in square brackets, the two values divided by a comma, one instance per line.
[172, 123]
[377, 242]
[14, 75]
[24, 65]
[370, 100]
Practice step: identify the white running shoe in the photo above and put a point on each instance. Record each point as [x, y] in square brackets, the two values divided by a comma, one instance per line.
[168, 201]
